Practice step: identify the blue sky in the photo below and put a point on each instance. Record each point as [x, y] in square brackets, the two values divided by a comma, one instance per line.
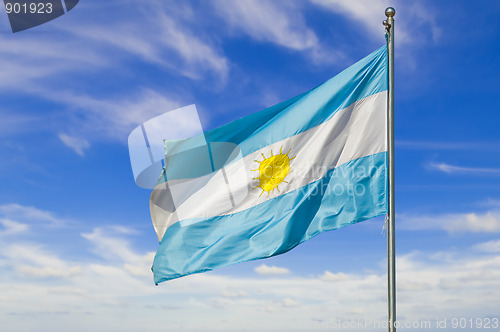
[76, 240]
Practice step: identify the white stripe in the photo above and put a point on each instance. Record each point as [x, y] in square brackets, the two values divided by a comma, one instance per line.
[354, 132]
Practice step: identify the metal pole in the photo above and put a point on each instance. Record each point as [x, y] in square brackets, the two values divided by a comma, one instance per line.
[391, 244]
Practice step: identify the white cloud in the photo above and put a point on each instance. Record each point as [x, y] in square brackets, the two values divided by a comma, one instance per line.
[112, 118]
[156, 34]
[370, 14]
[42, 64]
[490, 202]
[367, 13]
[35, 261]
[280, 23]
[449, 282]
[329, 276]
[117, 295]
[488, 222]
[490, 246]
[27, 60]
[416, 24]
[271, 270]
[451, 169]
[109, 243]
[12, 227]
[194, 52]
[289, 303]
[159, 34]
[269, 21]
[76, 144]
[45, 272]
[29, 214]
[452, 146]
[141, 266]
[110, 246]
[233, 294]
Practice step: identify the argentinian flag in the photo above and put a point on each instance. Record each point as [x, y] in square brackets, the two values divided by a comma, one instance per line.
[261, 185]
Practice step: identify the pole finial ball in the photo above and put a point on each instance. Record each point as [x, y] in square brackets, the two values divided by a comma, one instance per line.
[390, 12]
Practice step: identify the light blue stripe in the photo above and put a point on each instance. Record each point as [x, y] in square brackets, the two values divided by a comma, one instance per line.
[253, 132]
[277, 225]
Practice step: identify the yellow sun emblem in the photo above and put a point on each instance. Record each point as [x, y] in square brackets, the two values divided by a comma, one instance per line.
[273, 171]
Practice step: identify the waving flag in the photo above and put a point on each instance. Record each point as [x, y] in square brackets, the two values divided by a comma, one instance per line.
[267, 182]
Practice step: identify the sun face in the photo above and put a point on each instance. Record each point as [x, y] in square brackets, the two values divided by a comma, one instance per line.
[273, 171]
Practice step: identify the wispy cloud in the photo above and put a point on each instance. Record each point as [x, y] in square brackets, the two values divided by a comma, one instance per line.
[27, 61]
[487, 222]
[78, 45]
[368, 14]
[445, 146]
[335, 277]
[76, 144]
[452, 169]
[35, 261]
[110, 245]
[490, 246]
[290, 303]
[268, 21]
[10, 227]
[112, 118]
[16, 123]
[118, 281]
[234, 293]
[276, 22]
[271, 270]
[490, 202]
[371, 13]
[170, 42]
[444, 279]
[416, 25]
[29, 215]
[39, 64]
[45, 272]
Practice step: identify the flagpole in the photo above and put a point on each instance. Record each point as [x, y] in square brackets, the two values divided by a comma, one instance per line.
[391, 244]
